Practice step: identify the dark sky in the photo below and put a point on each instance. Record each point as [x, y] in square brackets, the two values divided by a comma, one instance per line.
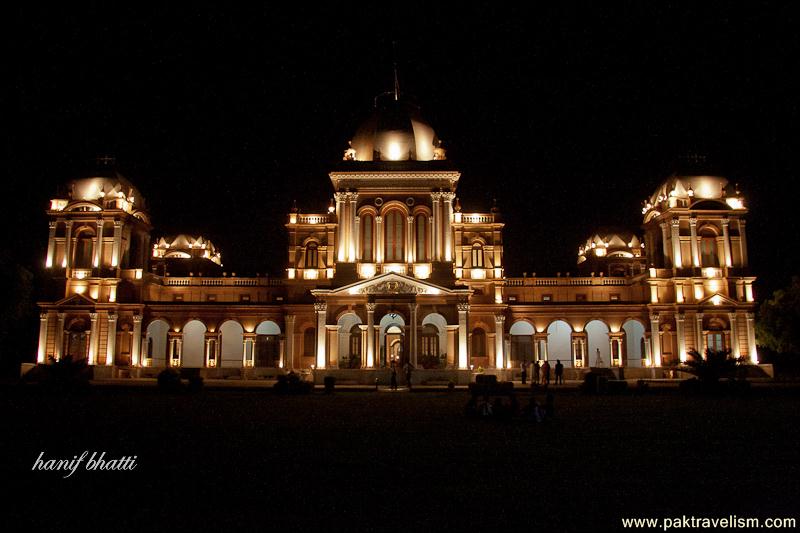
[568, 116]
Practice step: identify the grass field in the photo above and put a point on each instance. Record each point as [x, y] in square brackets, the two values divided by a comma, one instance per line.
[228, 460]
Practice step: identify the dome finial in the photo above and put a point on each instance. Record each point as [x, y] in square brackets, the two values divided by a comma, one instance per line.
[394, 65]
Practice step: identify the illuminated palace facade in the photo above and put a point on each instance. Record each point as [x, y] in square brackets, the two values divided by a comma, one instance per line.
[394, 272]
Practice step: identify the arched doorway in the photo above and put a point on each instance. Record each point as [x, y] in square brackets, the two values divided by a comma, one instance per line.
[231, 344]
[521, 342]
[432, 348]
[634, 343]
[349, 341]
[599, 349]
[77, 339]
[392, 340]
[268, 348]
[194, 335]
[559, 342]
[156, 342]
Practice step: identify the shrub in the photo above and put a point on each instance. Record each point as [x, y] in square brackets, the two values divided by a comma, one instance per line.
[292, 384]
[62, 376]
[330, 384]
[195, 383]
[169, 380]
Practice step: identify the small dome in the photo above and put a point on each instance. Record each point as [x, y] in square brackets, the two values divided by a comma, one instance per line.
[610, 243]
[395, 132]
[186, 247]
[694, 192]
[106, 188]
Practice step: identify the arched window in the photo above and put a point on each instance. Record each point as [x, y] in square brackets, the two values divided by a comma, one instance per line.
[83, 250]
[367, 222]
[421, 225]
[312, 255]
[708, 249]
[394, 237]
[477, 255]
[430, 341]
[478, 343]
[309, 340]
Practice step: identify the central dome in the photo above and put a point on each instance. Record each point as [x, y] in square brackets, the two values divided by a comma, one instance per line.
[395, 131]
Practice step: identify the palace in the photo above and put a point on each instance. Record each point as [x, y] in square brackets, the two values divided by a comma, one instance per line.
[395, 272]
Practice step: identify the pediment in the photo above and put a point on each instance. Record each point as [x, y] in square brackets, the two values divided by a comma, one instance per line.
[75, 300]
[392, 283]
[717, 299]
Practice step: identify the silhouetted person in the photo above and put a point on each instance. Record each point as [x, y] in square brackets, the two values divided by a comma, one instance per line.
[393, 381]
[535, 378]
[524, 372]
[407, 368]
[546, 373]
[559, 372]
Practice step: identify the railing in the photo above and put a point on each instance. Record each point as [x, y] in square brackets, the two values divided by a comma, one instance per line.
[312, 219]
[223, 282]
[566, 282]
[477, 219]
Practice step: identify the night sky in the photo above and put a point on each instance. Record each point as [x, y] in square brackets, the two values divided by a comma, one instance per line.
[568, 116]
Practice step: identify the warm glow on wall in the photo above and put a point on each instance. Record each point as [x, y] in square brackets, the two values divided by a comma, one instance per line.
[698, 292]
[716, 299]
[653, 294]
[734, 203]
[477, 273]
[58, 205]
[310, 273]
[748, 292]
[290, 273]
[422, 271]
[394, 152]
[367, 270]
[79, 289]
[94, 292]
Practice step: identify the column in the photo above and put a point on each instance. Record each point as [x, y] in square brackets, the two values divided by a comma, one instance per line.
[111, 345]
[208, 351]
[698, 333]
[410, 242]
[340, 223]
[726, 242]
[378, 241]
[357, 238]
[676, 243]
[742, 242]
[332, 338]
[452, 331]
[665, 246]
[321, 309]
[752, 351]
[40, 355]
[414, 349]
[351, 227]
[695, 247]
[59, 340]
[98, 247]
[735, 351]
[447, 218]
[647, 351]
[437, 232]
[117, 244]
[463, 359]
[289, 321]
[51, 245]
[93, 340]
[370, 335]
[655, 339]
[680, 333]
[365, 334]
[282, 352]
[499, 336]
[136, 345]
[67, 245]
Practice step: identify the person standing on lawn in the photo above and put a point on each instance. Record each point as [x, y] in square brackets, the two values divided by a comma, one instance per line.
[559, 372]
[546, 373]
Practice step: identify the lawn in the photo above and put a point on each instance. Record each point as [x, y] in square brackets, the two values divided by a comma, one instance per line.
[227, 460]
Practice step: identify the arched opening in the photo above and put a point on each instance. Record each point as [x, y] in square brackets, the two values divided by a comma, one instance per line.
[77, 339]
[429, 347]
[478, 343]
[156, 343]
[312, 256]
[477, 255]
[437, 348]
[84, 248]
[392, 342]
[559, 342]
[598, 347]
[708, 248]
[394, 229]
[193, 348]
[268, 353]
[634, 343]
[349, 337]
[231, 344]
[715, 335]
[309, 342]
[521, 333]
[421, 240]
[367, 235]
